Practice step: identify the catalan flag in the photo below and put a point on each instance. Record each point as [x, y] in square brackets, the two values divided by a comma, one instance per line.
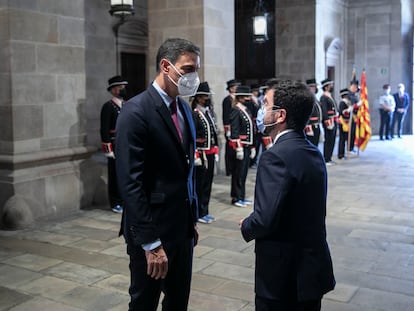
[363, 122]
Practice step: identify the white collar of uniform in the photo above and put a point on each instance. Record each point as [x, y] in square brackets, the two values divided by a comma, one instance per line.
[281, 134]
[117, 101]
[201, 108]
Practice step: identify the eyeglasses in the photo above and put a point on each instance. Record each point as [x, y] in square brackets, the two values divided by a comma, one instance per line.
[276, 107]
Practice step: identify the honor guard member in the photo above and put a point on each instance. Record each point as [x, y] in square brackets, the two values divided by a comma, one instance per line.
[345, 110]
[227, 103]
[353, 93]
[329, 116]
[312, 129]
[241, 140]
[207, 151]
[109, 114]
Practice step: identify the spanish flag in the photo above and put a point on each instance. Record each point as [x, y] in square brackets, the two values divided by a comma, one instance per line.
[363, 123]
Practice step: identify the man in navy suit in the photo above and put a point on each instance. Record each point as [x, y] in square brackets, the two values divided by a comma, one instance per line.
[155, 162]
[402, 103]
[293, 262]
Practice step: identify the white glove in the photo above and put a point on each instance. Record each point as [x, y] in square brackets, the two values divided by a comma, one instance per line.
[228, 134]
[359, 103]
[216, 158]
[110, 155]
[239, 153]
[252, 153]
[197, 162]
[349, 109]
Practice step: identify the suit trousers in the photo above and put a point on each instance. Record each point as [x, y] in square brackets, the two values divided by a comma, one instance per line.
[113, 190]
[264, 304]
[399, 119]
[204, 181]
[329, 143]
[239, 176]
[145, 291]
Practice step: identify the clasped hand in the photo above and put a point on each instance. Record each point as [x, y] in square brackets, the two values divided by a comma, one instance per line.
[157, 263]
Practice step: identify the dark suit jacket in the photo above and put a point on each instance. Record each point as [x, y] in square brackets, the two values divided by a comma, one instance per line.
[288, 222]
[404, 103]
[155, 172]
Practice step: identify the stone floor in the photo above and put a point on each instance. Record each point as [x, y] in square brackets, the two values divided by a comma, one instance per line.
[79, 263]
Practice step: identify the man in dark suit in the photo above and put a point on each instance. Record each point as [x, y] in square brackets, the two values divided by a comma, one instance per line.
[402, 103]
[155, 162]
[293, 262]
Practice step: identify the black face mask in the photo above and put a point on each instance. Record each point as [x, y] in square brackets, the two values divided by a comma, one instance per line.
[207, 102]
[122, 93]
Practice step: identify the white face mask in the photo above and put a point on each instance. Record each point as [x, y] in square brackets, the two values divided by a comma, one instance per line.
[187, 83]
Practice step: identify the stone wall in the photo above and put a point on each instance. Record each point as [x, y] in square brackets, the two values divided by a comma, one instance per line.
[43, 107]
[210, 25]
[378, 44]
[295, 39]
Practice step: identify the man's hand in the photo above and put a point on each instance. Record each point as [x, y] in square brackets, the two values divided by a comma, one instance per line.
[241, 223]
[157, 263]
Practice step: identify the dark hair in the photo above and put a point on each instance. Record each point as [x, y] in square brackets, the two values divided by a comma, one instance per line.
[172, 48]
[296, 98]
[272, 82]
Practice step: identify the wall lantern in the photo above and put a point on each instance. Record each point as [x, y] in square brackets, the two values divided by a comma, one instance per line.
[121, 9]
[260, 23]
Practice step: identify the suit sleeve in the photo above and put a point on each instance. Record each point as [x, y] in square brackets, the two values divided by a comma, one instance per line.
[132, 140]
[272, 183]
[407, 101]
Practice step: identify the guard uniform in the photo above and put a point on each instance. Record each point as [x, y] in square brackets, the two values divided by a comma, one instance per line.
[109, 115]
[207, 150]
[227, 103]
[329, 118]
[242, 136]
[344, 125]
[312, 129]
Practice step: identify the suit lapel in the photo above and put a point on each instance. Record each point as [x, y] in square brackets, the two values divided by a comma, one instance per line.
[165, 113]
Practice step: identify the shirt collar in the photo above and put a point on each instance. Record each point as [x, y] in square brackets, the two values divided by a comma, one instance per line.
[165, 98]
[281, 134]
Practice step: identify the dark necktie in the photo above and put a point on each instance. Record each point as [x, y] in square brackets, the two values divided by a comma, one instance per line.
[174, 116]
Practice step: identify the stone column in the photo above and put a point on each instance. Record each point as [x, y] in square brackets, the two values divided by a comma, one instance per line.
[295, 39]
[210, 25]
[44, 168]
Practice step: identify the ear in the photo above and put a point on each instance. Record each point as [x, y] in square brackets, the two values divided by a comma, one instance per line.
[164, 66]
[282, 117]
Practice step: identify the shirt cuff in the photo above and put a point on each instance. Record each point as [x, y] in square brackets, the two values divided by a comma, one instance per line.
[151, 246]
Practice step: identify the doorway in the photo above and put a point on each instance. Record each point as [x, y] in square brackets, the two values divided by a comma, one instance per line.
[133, 70]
